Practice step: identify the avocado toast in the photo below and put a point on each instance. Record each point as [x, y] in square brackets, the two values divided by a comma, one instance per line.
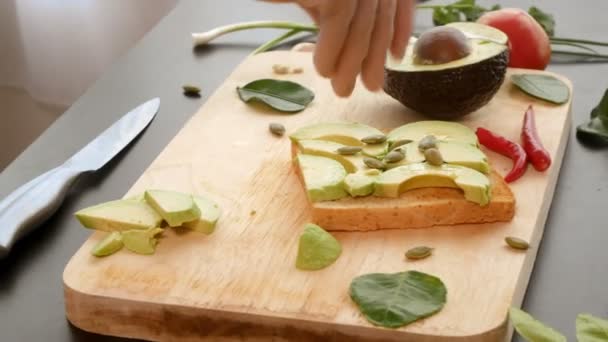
[348, 192]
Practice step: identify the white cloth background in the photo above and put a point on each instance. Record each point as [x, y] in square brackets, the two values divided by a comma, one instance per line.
[54, 49]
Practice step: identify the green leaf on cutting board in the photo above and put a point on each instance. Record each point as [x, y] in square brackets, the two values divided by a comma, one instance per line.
[392, 300]
[284, 96]
[595, 131]
[544, 19]
[544, 87]
[591, 329]
[531, 329]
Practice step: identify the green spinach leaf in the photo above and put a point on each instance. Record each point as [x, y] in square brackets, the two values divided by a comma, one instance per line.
[284, 96]
[393, 300]
[544, 87]
[591, 329]
[531, 329]
[544, 19]
[595, 131]
[601, 110]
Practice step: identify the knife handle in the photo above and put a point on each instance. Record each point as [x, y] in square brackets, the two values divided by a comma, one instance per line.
[32, 204]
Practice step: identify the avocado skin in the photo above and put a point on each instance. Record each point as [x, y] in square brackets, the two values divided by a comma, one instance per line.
[449, 93]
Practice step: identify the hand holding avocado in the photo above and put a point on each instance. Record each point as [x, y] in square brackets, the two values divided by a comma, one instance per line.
[354, 37]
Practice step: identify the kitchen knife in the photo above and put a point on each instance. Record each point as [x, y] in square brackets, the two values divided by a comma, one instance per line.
[34, 202]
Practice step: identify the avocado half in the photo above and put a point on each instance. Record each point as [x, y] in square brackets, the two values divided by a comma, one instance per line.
[456, 88]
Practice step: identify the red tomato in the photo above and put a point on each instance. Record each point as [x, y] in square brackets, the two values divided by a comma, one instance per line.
[528, 43]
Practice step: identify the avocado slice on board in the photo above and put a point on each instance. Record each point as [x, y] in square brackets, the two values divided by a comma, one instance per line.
[119, 215]
[210, 214]
[317, 249]
[175, 207]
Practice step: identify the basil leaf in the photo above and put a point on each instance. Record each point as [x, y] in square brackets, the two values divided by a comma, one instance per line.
[397, 299]
[591, 329]
[544, 87]
[445, 15]
[284, 96]
[544, 19]
[473, 13]
[531, 329]
[593, 133]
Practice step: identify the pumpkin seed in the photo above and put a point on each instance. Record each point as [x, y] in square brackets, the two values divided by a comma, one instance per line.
[419, 252]
[433, 156]
[374, 139]
[394, 156]
[349, 150]
[374, 163]
[372, 172]
[276, 129]
[280, 69]
[191, 90]
[399, 143]
[429, 141]
[517, 243]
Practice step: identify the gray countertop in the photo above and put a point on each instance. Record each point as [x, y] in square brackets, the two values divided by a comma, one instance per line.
[571, 270]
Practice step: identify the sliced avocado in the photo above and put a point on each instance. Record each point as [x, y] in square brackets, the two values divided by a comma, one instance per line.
[317, 249]
[119, 215]
[362, 182]
[445, 131]
[346, 133]
[392, 183]
[455, 153]
[449, 88]
[110, 244]
[175, 207]
[329, 149]
[323, 177]
[210, 214]
[141, 241]
[138, 197]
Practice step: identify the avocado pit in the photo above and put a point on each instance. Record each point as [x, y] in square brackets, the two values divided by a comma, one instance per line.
[441, 45]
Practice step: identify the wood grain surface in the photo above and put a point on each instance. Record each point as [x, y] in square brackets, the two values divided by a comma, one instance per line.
[240, 283]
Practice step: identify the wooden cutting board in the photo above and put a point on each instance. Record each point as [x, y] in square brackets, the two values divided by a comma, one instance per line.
[240, 283]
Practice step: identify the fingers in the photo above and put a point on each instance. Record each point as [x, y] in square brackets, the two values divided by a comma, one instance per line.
[402, 27]
[372, 72]
[355, 49]
[335, 23]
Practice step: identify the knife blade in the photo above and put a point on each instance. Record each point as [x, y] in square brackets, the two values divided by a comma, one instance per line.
[31, 204]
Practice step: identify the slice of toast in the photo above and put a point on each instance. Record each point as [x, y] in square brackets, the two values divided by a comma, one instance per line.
[418, 208]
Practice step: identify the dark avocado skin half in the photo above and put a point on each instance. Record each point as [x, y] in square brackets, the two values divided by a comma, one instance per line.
[449, 93]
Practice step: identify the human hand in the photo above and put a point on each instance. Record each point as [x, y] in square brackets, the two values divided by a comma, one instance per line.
[355, 36]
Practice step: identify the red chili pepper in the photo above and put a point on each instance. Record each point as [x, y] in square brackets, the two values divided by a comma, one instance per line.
[507, 148]
[537, 154]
